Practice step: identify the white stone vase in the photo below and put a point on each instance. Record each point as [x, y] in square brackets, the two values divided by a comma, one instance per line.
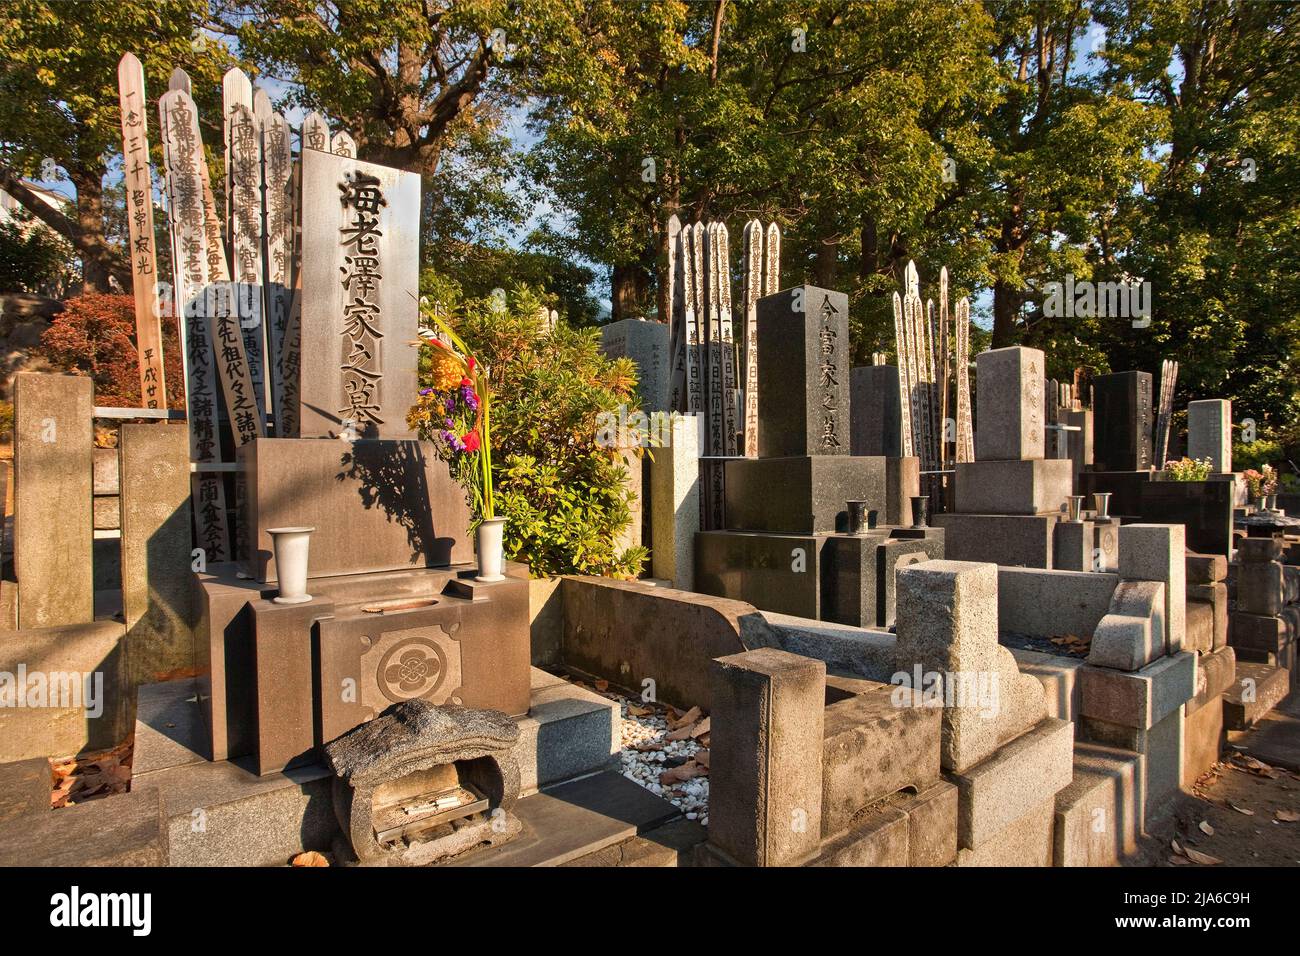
[491, 549]
[291, 547]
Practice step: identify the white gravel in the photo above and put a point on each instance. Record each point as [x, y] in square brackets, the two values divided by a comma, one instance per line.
[645, 766]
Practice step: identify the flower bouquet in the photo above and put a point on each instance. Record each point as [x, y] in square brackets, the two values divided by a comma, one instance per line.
[454, 413]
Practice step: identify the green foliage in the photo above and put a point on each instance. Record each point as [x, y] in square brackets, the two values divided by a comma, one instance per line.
[1256, 454]
[33, 258]
[565, 497]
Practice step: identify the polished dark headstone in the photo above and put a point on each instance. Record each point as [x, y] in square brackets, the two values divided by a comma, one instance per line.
[1122, 414]
[803, 373]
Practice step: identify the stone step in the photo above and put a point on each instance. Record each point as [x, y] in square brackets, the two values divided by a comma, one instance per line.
[1257, 690]
[565, 823]
[25, 787]
[672, 844]
[569, 732]
[1099, 815]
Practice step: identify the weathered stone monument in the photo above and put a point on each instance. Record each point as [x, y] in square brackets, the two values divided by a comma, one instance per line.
[1009, 499]
[788, 545]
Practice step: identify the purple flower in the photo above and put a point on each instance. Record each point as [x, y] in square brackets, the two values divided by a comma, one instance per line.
[448, 422]
[450, 404]
[470, 399]
[425, 391]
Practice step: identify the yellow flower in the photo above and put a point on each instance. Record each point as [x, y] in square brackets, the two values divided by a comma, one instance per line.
[444, 371]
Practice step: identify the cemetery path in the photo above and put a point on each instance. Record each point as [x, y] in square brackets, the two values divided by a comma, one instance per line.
[1251, 806]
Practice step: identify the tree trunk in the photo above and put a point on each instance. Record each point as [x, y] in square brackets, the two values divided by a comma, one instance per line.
[90, 220]
[627, 282]
[1006, 306]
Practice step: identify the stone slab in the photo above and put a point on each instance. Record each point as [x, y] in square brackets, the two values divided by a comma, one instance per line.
[801, 495]
[1026, 842]
[1161, 745]
[672, 844]
[675, 504]
[1203, 508]
[121, 830]
[765, 781]
[1206, 568]
[1074, 546]
[627, 632]
[873, 748]
[1123, 407]
[157, 594]
[566, 822]
[25, 788]
[803, 373]
[569, 732]
[932, 825]
[1256, 690]
[1053, 603]
[1209, 432]
[773, 572]
[874, 411]
[1132, 634]
[878, 839]
[1140, 699]
[1157, 552]
[1013, 781]
[1216, 673]
[53, 486]
[902, 484]
[1099, 815]
[866, 653]
[1009, 540]
[375, 505]
[58, 661]
[1204, 737]
[1018, 487]
[1275, 738]
[646, 344]
[356, 362]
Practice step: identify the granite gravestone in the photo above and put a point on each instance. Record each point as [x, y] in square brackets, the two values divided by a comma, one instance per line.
[646, 344]
[875, 411]
[1009, 404]
[360, 282]
[803, 373]
[1209, 433]
[1123, 415]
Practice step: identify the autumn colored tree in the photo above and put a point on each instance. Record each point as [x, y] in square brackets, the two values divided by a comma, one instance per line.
[94, 335]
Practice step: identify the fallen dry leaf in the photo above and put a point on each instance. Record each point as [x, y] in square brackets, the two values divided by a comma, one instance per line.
[1205, 828]
[602, 685]
[1176, 846]
[310, 858]
[1180, 861]
[679, 774]
[638, 711]
[700, 729]
[702, 758]
[1249, 813]
[1288, 816]
[1196, 856]
[690, 717]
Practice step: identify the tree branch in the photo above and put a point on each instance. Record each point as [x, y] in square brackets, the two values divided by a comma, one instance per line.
[94, 248]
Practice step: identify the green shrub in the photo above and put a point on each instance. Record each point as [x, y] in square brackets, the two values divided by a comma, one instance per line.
[1256, 454]
[564, 495]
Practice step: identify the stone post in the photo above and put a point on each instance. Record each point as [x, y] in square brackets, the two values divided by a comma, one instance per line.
[53, 489]
[766, 767]
[1157, 552]
[675, 503]
[157, 590]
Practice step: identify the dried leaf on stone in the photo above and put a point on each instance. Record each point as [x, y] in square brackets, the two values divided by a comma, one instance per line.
[1196, 856]
[700, 729]
[1176, 846]
[1288, 816]
[1180, 861]
[1249, 813]
[1205, 828]
[602, 685]
[310, 858]
[638, 711]
[702, 758]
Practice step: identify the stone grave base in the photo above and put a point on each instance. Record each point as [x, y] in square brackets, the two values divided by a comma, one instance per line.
[1015, 540]
[1099, 815]
[842, 578]
[221, 813]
